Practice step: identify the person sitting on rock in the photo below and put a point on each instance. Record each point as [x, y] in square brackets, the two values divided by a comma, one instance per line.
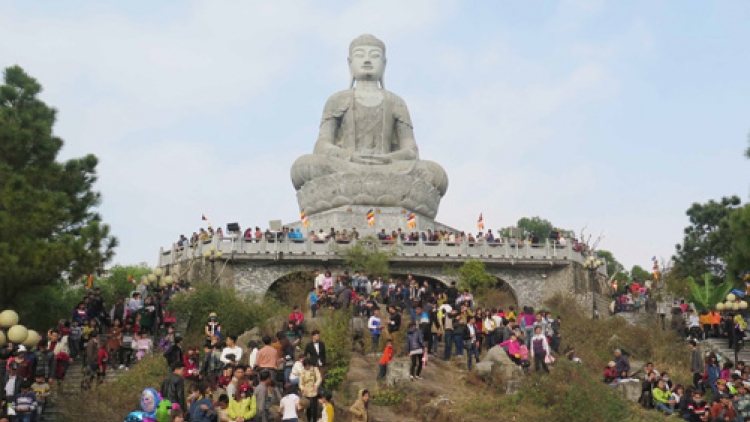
[663, 401]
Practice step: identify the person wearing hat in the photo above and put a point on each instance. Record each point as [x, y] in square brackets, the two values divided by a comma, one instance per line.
[610, 373]
[213, 327]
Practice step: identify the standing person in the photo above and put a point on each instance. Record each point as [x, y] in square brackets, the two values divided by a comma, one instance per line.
[263, 396]
[41, 391]
[621, 364]
[539, 349]
[447, 335]
[360, 410]
[268, 358]
[415, 348]
[385, 359]
[696, 364]
[144, 346]
[24, 403]
[316, 352]
[202, 408]
[471, 342]
[125, 354]
[175, 353]
[173, 388]
[289, 405]
[394, 320]
[326, 414]
[231, 349]
[312, 299]
[102, 359]
[114, 338]
[74, 340]
[309, 384]
[375, 326]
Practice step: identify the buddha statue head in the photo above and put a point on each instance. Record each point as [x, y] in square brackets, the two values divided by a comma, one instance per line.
[367, 59]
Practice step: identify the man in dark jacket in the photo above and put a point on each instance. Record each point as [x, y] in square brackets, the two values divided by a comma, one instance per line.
[173, 388]
[621, 364]
[174, 354]
[316, 352]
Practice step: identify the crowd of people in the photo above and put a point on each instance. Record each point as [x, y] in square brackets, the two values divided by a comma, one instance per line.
[720, 389]
[102, 338]
[286, 370]
[346, 236]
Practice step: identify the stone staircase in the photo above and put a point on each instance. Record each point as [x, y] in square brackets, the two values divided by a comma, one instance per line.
[719, 346]
[70, 389]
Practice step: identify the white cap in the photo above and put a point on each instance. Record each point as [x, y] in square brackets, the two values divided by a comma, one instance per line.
[22, 348]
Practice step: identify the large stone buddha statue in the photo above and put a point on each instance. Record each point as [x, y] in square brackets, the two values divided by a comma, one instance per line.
[366, 153]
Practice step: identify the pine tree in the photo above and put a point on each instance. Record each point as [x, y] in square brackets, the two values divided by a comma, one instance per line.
[49, 230]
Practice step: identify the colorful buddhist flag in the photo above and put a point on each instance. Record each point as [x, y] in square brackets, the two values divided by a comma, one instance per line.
[371, 217]
[480, 222]
[303, 216]
[89, 282]
[131, 279]
[411, 220]
[204, 218]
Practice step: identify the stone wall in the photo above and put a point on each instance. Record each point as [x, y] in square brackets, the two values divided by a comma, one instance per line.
[530, 285]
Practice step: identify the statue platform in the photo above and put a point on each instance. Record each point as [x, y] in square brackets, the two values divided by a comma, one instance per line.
[355, 216]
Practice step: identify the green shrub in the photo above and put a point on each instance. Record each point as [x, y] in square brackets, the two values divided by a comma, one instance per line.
[237, 313]
[337, 336]
[387, 397]
[113, 400]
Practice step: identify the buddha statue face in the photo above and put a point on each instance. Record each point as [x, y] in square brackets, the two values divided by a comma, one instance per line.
[367, 59]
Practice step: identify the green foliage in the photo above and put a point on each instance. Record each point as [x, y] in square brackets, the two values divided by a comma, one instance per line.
[237, 313]
[338, 338]
[638, 273]
[387, 397]
[116, 283]
[536, 225]
[48, 227]
[709, 294]
[708, 239]
[614, 267]
[368, 255]
[114, 400]
[472, 275]
[59, 299]
[738, 259]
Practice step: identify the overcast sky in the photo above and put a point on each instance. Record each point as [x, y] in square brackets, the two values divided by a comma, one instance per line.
[611, 115]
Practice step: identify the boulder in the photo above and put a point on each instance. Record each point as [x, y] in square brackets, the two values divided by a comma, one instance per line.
[484, 370]
[398, 371]
[502, 366]
[630, 389]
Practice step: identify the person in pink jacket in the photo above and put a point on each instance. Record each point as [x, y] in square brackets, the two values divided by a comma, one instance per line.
[513, 348]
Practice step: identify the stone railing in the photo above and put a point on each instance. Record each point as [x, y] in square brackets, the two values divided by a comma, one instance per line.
[237, 247]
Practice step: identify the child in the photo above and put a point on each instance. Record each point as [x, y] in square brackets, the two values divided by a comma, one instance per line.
[385, 359]
[175, 415]
[101, 362]
[74, 341]
[289, 405]
[41, 391]
[143, 345]
[325, 402]
[24, 403]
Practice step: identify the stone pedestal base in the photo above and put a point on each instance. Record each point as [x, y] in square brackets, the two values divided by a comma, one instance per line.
[410, 190]
[355, 216]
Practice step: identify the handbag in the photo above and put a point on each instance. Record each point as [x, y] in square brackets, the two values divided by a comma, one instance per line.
[549, 359]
